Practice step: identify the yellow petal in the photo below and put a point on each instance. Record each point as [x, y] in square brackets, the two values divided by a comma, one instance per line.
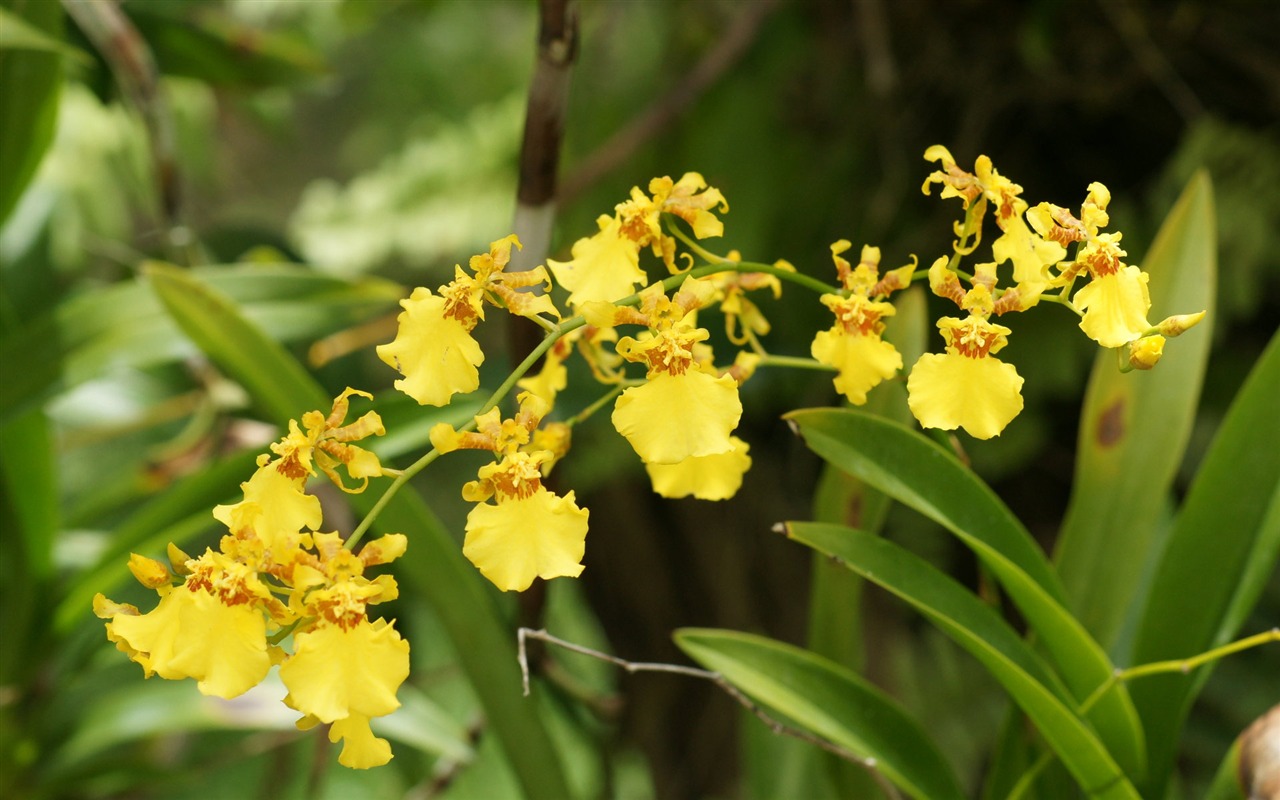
[605, 267]
[716, 477]
[981, 395]
[334, 673]
[435, 354]
[673, 417]
[1115, 307]
[360, 748]
[1031, 255]
[192, 634]
[863, 361]
[542, 535]
[275, 508]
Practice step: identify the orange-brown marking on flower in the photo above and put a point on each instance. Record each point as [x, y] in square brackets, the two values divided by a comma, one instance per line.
[1102, 262]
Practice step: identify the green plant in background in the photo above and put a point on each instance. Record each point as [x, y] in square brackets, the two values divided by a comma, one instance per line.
[1116, 631]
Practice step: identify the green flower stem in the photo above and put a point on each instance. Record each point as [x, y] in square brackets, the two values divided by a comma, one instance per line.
[401, 480]
[1184, 665]
[794, 362]
[553, 335]
[586, 413]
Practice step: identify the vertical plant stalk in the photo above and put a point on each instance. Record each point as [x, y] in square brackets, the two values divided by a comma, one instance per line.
[540, 149]
[536, 189]
[134, 67]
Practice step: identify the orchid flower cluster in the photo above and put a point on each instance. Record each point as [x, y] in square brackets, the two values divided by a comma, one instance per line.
[278, 591]
[226, 617]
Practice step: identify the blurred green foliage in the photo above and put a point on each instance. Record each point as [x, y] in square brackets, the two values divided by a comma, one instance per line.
[335, 153]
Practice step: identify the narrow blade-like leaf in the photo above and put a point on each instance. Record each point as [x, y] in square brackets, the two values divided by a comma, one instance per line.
[979, 629]
[918, 473]
[830, 701]
[1222, 550]
[1134, 428]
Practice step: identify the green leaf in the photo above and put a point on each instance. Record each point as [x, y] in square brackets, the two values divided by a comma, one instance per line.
[30, 481]
[166, 708]
[830, 701]
[835, 594]
[918, 473]
[212, 321]
[1134, 428]
[434, 568]
[977, 627]
[29, 84]
[17, 34]
[212, 46]
[1222, 550]
[126, 326]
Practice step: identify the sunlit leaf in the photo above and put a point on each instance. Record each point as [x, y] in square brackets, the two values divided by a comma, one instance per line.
[126, 326]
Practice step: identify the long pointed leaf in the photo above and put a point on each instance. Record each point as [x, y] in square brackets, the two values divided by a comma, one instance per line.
[125, 325]
[1134, 428]
[920, 474]
[828, 700]
[1224, 547]
[979, 629]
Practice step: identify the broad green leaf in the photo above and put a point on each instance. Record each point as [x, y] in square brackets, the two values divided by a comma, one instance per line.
[213, 322]
[29, 85]
[976, 627]
[1134, 428]
[212, 46]
[126, 326]
[17, 34]
[920, 474]
[1221, 552]
[830, 701]
[434, 567]
[30, 482]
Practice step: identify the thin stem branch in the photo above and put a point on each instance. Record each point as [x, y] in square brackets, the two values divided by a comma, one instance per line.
[523, 635]
[553, 335]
